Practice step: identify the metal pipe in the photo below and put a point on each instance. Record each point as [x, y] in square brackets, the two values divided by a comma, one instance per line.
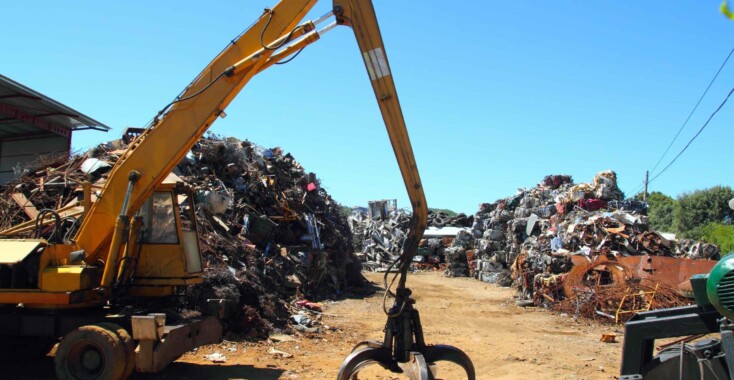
[250, 60]
[328, 28]
[132, 178]
[118, 235]
[324, 17]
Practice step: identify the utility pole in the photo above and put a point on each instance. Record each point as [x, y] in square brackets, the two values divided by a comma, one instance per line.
[644, 195]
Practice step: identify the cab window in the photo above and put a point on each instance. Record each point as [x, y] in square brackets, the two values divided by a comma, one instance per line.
[159, 219]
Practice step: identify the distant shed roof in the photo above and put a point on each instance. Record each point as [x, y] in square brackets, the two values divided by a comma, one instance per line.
[443, 231]
[25, 112]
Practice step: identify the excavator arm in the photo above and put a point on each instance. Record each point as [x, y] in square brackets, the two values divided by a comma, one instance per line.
[360, 15]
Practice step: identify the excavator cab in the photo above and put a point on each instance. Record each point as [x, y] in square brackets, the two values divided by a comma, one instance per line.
[162, 253]
[165, 249]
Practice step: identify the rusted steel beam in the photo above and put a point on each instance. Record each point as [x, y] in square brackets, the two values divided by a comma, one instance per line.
[39, 122]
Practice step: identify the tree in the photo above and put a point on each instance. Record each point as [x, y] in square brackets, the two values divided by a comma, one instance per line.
[448, 212]
[345, 210]
[659, 211]
[719, 234]
[699, 208]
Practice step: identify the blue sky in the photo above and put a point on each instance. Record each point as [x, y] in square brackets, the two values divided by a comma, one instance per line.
[496, 95]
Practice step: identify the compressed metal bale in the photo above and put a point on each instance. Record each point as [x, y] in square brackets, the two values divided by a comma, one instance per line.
[505, 216]
[519, 225]
[494, 234]
[522, 212]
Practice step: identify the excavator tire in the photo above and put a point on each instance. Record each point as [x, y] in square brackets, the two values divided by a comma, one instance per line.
[129, 343]
[90, 353]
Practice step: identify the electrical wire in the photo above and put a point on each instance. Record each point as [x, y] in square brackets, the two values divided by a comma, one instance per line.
[692, 111]
[55, 236]
[388, 292]
[282, 43]
[197, 93]
[291, 58]
[637, 189]
[694, 136]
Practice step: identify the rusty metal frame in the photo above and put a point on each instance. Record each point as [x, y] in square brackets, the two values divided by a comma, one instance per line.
[37, 121]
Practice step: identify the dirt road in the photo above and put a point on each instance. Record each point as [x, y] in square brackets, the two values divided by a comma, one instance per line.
[503, 340]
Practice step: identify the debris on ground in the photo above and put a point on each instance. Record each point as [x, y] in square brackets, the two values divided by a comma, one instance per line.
[216, 357]
[279, 353]
[269, 233]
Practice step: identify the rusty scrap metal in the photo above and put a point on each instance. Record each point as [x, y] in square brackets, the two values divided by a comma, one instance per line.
[562, 255]
[269, 233]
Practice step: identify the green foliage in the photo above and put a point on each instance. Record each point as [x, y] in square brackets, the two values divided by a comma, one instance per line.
[695, 210]
[719, 234]
[724, 8]
[448, 212]
[345, 210]
[660, 211]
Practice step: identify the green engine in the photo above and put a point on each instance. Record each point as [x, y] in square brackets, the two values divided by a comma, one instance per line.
[719, 287]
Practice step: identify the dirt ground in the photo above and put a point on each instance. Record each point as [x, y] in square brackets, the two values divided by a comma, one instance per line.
[504, 341]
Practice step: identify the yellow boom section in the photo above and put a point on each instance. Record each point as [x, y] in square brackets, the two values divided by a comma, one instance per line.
[160, 148]
[360, 15]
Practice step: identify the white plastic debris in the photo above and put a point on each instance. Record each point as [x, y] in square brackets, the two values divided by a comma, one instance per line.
[280, 353]
[91, 165]
[216, 357]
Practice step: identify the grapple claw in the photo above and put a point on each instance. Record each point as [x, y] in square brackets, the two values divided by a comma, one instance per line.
[420, 366]
[404, 350]
[367, 344]
[442, 352]
[361, 357]
[417, 368]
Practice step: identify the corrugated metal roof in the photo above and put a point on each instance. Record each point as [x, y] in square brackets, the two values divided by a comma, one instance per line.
[443, 231]
[25, 112]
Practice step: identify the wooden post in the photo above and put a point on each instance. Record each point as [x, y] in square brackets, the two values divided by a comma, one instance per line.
[644, 195]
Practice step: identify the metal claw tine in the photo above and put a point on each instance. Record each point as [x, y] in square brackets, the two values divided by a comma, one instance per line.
[361, 358]
[451, 354]
[417, 367]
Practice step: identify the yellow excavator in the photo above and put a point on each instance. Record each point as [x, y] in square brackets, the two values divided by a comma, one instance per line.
[138, 242]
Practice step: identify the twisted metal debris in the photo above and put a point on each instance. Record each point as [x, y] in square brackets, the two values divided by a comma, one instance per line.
[269, 233]
[573, 247]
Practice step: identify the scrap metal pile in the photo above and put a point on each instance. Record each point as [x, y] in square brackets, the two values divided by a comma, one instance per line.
[269, 233]
[459, 254]
[379, 238]
[539, 238]
[379, 233]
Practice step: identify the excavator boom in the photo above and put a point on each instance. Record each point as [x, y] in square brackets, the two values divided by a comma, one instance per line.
[163, 144]
[174, 132]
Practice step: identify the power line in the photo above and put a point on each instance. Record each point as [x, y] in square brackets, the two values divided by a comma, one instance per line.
[694, 136]
[637, 190]
[692, 111]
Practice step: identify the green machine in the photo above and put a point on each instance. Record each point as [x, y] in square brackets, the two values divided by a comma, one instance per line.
[711, 357]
